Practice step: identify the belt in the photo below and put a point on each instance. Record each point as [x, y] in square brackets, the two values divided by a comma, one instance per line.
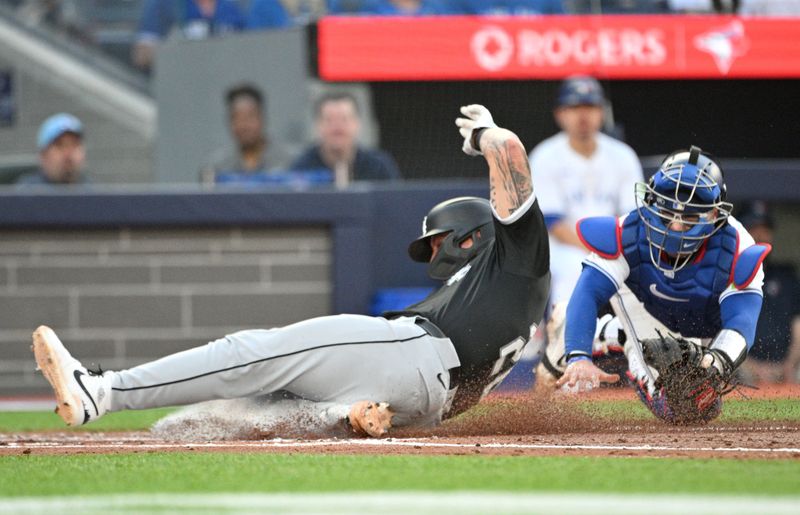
[429, 327]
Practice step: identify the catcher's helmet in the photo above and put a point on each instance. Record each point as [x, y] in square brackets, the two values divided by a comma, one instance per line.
[461, 217]
[687, 192]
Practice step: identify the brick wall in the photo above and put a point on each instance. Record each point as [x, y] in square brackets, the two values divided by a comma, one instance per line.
[122, 297]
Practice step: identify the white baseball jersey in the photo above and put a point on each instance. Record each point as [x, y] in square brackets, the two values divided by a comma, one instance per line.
[570, 187]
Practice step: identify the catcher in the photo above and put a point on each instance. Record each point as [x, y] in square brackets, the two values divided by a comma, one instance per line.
[684, 280]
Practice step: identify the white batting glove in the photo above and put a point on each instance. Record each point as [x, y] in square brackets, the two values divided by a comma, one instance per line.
[477, 117]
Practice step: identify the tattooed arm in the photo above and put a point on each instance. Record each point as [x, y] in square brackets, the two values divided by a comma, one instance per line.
[509, 171]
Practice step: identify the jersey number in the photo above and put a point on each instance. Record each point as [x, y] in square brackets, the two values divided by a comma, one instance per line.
[509, 355]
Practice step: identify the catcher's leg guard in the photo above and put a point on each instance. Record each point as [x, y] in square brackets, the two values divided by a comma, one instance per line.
[639, 326]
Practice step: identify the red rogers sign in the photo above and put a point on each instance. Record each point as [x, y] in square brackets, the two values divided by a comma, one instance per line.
[553, 47]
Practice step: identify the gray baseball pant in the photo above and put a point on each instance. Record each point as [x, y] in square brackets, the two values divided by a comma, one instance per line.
[337, 360]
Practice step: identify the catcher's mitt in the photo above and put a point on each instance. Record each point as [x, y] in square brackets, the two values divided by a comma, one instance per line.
[687, 392]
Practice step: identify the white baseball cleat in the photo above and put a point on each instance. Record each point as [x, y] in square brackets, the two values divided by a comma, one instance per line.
[82, 396]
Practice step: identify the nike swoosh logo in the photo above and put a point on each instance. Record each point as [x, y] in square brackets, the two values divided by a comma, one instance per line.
[439, 377]
[78, 375]
[664, 296]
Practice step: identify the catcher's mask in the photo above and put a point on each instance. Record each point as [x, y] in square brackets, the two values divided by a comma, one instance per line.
[461, 217]
[682, 206]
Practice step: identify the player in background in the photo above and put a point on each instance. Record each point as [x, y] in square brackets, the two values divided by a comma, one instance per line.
[580, 172]
[692, 271]
[415, 367]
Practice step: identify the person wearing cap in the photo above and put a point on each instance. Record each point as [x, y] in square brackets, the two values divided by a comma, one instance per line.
[580, 172]
[61, 153]
[775, 355]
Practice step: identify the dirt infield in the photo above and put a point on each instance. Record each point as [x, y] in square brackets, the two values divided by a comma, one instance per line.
[504, 425]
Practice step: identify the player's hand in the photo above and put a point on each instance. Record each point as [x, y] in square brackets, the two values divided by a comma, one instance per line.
[477, 117]
[583, 376]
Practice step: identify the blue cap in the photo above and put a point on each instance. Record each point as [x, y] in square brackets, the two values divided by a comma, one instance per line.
[55, 126]
[580, 90]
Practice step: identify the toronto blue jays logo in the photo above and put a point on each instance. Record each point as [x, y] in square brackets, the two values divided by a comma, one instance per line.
[724, 44]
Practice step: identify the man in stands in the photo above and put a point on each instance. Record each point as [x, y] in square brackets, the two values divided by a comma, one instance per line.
[62, 155]
[338, 123]
[252, 152]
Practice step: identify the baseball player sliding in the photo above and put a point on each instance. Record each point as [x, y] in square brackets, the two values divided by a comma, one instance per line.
[414, 367]
[691, 271]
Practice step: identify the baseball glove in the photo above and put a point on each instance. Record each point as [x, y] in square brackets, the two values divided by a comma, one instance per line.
[687, 392]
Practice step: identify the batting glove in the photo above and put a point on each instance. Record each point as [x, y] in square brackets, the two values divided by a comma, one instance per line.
[477, 117]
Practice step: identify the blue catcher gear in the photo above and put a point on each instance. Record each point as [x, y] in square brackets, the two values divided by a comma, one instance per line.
[681, 206]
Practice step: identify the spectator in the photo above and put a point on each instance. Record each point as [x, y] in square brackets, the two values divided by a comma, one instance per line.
[704, 6]
[61, 153]
[305, 11]
[194, 19]
[580, 172]
[769, 8]
[389, 7]
[252, 150]
[775, 355]
[267, 14]
[338, 124]
[510, 7]
[65, 14]
[618, 6]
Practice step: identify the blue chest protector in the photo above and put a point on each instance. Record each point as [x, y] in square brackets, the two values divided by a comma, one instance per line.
[688, 302]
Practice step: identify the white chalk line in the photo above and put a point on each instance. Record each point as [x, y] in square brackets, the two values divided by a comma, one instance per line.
[390, 442]
[438, 503]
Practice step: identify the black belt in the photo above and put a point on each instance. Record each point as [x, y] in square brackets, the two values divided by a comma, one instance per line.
[429, 327]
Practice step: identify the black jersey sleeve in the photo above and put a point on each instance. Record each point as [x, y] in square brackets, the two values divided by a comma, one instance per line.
[521, 242]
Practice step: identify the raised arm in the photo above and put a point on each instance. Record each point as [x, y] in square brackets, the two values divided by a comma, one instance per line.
[509, 172]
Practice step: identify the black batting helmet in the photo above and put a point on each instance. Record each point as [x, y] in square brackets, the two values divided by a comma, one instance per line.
[461, 217]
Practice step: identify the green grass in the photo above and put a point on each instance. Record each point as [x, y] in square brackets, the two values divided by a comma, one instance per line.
[733, 410]
[208, 472]
[222, 472]
[13, 421]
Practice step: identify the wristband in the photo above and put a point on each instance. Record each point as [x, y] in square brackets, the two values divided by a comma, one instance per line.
[475, 140]
[732, 345]
[574, 356]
